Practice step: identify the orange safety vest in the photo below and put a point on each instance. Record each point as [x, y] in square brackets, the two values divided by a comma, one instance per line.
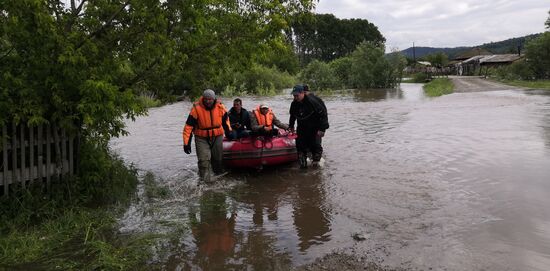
[266, 120]
[209, 122]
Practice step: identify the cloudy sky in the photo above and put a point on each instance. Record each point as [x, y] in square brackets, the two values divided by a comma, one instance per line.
[444, 23]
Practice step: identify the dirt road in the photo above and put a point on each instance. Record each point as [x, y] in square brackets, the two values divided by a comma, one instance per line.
[475, 84]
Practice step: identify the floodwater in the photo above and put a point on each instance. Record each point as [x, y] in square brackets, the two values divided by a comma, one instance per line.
[459, 182]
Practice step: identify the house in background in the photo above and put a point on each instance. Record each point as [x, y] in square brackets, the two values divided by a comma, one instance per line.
[479, 59]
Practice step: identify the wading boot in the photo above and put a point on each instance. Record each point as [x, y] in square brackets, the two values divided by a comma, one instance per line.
[204, 173]
[302, 158]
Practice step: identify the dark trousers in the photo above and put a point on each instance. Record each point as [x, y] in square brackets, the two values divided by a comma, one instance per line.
[309, 141]
[236, 134]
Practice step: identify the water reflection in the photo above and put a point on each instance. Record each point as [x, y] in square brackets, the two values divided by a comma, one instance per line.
[213, 229]
[251, 224]
[311, 218]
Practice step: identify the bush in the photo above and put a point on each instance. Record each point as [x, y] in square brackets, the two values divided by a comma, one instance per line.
[438, 87]
[370, 68]
[259, 80]
[320, 76]
[342, 70]
[420, 77]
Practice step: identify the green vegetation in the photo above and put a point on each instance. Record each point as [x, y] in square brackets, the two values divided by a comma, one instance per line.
[73, 226]
[534, 67]
[420, 77]
[534, 84]
[439, 87]
[366, 67]
[325, 37]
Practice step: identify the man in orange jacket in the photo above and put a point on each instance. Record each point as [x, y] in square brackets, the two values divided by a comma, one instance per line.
[208, 121]
[263, 121]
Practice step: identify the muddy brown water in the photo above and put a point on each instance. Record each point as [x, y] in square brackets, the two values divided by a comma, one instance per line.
[459, 182]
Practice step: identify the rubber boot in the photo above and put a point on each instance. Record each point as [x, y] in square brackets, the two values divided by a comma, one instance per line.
[204, 173]
[302, 158]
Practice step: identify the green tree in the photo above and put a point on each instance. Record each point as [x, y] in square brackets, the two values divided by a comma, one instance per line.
[84, 64]
[342, 70]
[438, 59]
[371, 69]
[325, 37]
[319, 76]
[547, 23]
[538, 55]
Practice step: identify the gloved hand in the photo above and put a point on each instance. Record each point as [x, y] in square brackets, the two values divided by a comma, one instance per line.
[187, 148]
[320, 133]
[291, 130]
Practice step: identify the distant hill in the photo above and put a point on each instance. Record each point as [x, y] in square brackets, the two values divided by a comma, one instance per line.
[500, 47]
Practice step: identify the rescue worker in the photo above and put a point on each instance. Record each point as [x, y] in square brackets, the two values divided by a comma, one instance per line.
[311, 114]
[263, 121]
[239, 119]
[309, 93]
[208, 121]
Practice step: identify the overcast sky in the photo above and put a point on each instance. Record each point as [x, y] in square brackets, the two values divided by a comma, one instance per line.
[444, 23]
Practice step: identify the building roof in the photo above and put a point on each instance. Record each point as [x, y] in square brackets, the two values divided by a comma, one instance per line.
[471, 53]
[425, 63]
[504, 58]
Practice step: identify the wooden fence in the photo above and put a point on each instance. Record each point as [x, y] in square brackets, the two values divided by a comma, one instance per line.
[31, 154]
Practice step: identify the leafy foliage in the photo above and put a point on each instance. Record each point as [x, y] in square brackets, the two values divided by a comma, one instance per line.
[538, 56]
[439, 87]
[320, 76]
[325, 37]
[438, 59]
[370, 68]
[83, 65]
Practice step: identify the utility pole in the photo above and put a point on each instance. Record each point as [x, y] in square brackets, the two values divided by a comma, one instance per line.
[414, 56]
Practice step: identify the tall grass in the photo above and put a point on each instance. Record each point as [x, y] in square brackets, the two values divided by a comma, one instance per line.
[73, 226]
[439, 87]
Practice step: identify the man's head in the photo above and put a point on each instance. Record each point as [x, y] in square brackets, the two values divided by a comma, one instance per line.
[208, 98]
[264, 108]
[237, 105]
[298, 93]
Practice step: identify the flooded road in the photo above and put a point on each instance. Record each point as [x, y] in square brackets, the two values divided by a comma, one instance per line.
[459, 182]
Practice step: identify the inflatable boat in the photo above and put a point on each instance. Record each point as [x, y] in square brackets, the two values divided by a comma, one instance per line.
[259, 151]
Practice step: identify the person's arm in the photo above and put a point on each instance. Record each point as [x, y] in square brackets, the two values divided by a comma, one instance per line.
[292, 118]
[246, 120]
[225, 121]
[190, 124]
[278, 123]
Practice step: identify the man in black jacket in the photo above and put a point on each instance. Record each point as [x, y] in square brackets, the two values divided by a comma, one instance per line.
[311, 114]
[239, 119]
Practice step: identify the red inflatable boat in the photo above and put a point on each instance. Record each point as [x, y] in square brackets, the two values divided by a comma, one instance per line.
[256, 152]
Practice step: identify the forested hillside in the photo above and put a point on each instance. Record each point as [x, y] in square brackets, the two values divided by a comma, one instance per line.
[499, 47]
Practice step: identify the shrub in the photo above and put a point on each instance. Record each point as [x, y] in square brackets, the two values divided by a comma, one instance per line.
[320, 76]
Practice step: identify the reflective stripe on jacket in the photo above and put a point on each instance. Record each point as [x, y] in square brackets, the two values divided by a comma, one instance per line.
[205, 123]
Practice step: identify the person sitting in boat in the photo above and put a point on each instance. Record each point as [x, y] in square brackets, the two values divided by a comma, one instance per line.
[263, 121]
[239, 119]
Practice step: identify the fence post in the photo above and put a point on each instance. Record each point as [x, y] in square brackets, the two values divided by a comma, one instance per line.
[5, 159]
[14, 167]
[22, 148]
[48, 155]
[31, 155]
[40, 160]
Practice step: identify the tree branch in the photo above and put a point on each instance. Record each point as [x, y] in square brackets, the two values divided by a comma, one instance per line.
[107, 24]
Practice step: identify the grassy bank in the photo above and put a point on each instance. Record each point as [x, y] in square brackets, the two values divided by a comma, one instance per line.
[73, 227]
[538, 84]
[439, 87]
